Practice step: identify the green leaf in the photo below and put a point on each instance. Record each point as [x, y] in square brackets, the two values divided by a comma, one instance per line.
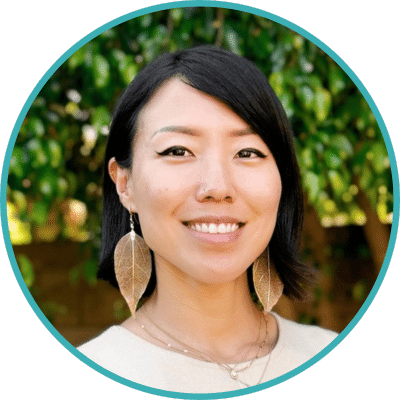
[307, 157]
[312, 183]
[100, 117]
[27, 271]
[54, 152]
[48, 184]
[150, 48]
[305, 65]
[314, 81]
[322, 104]
[160, 35]
[127, 69]
[118, 55]
[39, 211]
[337, 80]
[313, 142]
[337, 183]
[77, 58]
[329, 206]
[101, 71]
[276, 81]
[145, 20]
[287, 103]
[176, 14]
[324, 137]
[20, 200]
[380, 158]
[37, 126]
[109, 34]
[36, 152]
[332, 159]
[19, 162]
[366, 177]
[232, 39]
[306, 97]
[278, 58]
[62, 187]
[342, 144]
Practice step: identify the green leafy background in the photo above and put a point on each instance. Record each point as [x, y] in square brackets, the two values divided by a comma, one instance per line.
[55, 177]
[59, 151]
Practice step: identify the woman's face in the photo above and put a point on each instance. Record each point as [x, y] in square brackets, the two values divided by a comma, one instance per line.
[206, 187]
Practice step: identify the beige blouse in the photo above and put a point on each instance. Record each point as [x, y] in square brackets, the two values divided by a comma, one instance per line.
[131, 357]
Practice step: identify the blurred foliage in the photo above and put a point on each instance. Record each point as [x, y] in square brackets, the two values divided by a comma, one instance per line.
[55, 176]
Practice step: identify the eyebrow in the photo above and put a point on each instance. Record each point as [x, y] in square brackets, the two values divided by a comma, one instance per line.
[194, 132]
[177, 129]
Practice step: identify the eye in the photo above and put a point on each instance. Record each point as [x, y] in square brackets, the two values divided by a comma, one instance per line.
[176, 151]
[250, 153]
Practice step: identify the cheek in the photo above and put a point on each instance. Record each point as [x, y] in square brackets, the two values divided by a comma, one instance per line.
[263, 189]
[158, 190]
[274, 190]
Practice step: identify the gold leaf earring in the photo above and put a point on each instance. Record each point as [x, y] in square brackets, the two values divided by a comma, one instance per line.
[268, 286]
[132, 263]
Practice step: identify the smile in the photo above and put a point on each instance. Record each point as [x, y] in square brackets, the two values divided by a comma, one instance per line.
[211, 229]
[214, 228]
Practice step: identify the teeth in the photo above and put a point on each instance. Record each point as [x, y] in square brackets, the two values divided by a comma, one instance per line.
[221, 228]
[214, 228]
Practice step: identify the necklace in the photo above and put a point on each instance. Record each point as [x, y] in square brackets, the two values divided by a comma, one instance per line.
[232, 370]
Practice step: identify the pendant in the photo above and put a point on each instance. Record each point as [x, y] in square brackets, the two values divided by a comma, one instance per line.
[233, 374]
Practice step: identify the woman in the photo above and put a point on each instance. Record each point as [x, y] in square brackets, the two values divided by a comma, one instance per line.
[200, 164]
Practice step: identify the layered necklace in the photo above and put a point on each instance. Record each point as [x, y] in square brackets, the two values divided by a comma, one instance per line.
[233, 371]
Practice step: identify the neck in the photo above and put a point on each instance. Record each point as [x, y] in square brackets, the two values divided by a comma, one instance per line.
[218, 319]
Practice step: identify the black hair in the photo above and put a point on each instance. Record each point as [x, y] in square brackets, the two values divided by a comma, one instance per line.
[239, 84]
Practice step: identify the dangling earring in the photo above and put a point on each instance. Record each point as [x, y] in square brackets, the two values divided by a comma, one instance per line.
[268, 286]
[132, 263]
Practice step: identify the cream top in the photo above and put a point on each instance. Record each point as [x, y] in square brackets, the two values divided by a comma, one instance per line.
[129, 356]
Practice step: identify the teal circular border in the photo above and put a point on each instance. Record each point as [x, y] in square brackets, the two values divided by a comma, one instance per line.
[239, 7]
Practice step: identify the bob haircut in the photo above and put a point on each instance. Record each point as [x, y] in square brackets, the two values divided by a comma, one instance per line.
[240, 85]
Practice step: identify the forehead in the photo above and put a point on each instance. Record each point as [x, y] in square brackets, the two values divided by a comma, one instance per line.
[177, 103]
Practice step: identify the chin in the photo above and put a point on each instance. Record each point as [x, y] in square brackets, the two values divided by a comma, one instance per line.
[218, 273]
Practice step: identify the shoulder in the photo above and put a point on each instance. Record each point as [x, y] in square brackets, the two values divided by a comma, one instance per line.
[113, 344]
[304, 339]
[105, 338]
[120, 351]
[297, 344]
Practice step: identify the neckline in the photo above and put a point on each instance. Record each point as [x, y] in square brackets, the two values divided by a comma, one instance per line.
[181, 356]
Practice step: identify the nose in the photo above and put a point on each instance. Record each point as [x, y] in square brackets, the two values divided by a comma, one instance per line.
[215, 182]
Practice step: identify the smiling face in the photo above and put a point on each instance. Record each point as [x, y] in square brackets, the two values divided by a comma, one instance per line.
[206, 187]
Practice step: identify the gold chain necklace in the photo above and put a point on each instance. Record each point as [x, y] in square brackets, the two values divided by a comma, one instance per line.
[233, 371]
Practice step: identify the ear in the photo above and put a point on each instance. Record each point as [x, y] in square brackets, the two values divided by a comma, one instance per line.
[121, 177]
